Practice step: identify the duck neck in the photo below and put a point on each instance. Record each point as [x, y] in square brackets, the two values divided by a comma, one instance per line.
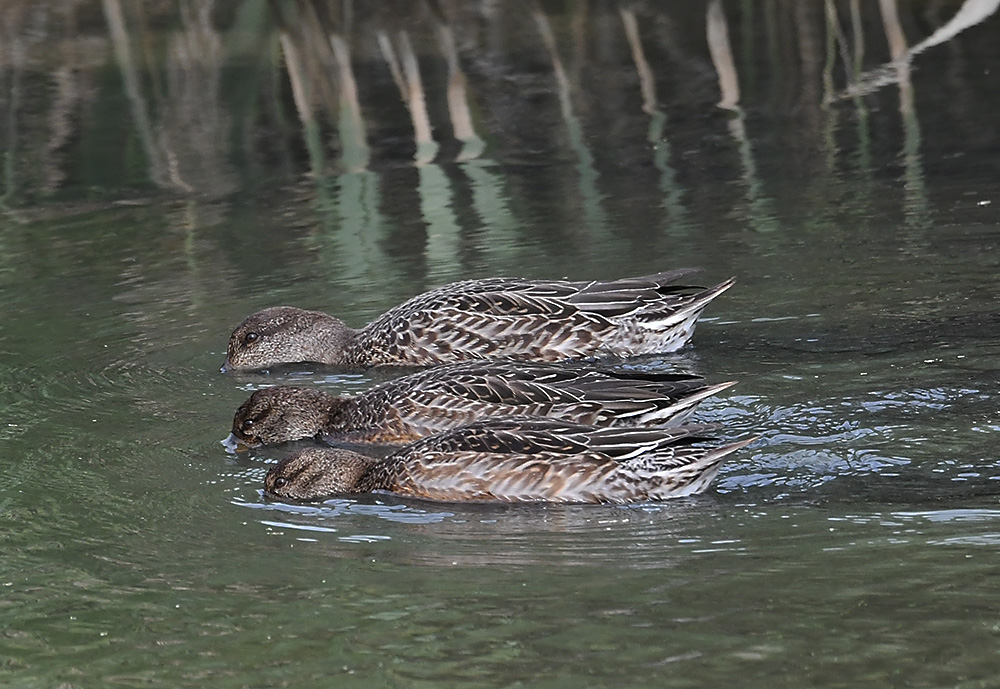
[331, 342]
[356, 471]
[337, 414]
[377, 474]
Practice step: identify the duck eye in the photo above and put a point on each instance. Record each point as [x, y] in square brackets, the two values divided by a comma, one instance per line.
[247, 425]
[251, 337]
[280, 482]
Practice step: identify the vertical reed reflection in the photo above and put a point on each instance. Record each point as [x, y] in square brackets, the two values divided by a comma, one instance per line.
[418, 134]
[590, 196]
[11, 76]
[356, 152]
[406, 73]
[433, 187]
[118, 33]
[360, 226]
[862, 158]
[656, 134]
[458, 97]
[180, 120]
[915, 205]
[303, 104]
[720, 49]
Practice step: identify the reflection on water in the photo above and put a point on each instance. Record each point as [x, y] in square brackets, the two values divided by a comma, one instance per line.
[167, 168]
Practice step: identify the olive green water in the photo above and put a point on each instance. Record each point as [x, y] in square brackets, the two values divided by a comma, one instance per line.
[168, 170]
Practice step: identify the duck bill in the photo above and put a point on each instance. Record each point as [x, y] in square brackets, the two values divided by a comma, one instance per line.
[226, 366]
[234, 445]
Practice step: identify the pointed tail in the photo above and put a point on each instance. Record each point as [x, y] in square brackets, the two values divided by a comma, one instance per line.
[695, 477]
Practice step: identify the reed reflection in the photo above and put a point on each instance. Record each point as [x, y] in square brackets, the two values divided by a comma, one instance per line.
[729, 87]
[219, 93]
[673, 193]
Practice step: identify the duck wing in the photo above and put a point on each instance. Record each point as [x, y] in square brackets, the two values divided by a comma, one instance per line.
[530, 461]
[646, 402]
[577, 392]
[509, 317]
[629, 295]
[534, 435]
[482, 476]
[507, 436]
[451, 395]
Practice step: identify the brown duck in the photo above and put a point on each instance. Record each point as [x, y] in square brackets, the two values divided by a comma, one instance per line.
[451, 395]
[494, 318]
[515, 460]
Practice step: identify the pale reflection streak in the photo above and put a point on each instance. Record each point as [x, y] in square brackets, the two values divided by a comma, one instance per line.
[863, 156]
[442, 246]
[361, 226]
[303, 105]
[590, 196]
[349, 203]
[915, 208]
[312, 61]
[67, 94]
[488, 193]
[458, 104]
[351, 123]
[836, 44]
[193, 126]
[358, 198]
[433, 187]
[722, 58]
[118, 33]
[406, 73]
[672, 192]
[183, 145]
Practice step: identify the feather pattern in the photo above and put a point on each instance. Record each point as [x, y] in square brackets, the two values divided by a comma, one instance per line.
[451, 395]
[517, 460]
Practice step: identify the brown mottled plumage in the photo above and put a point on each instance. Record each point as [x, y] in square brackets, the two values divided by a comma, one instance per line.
[516, 460]
[486, 319]
[450, 395]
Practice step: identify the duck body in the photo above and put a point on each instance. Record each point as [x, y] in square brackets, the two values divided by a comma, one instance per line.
[516, 460]
[451, 395]
[493, 318]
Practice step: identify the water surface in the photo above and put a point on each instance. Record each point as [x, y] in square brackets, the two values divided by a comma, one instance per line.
[167, 170]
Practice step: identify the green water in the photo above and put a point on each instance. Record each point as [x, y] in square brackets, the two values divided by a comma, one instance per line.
[167, 171]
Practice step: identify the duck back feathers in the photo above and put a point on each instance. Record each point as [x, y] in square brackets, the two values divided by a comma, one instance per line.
[518, 460]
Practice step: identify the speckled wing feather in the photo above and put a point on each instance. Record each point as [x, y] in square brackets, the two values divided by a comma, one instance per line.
[580, 395]
[476, 329]
[431, 411]
[455, 394]
[510, 435]
[530, 435]
[474, 391]
[519, 460]
[627, 295]
[472, 476]
[662, 399]
[372, 417]
[452, 395]
[508, 317]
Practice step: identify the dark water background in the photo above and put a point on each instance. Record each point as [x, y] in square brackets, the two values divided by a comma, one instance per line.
[170, 167]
